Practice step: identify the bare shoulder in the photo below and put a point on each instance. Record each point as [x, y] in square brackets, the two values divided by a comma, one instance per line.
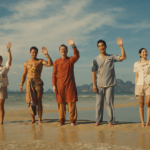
[39, 60]
[25, 64]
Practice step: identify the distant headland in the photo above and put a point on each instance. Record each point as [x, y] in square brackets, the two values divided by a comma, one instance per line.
[119, 88]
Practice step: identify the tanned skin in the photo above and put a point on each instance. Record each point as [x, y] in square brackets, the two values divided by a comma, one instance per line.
[38, 65]
[2, 111]
[102, 50]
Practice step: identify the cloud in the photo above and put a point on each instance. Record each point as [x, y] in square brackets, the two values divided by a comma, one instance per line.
[49, 23]
[32, 23]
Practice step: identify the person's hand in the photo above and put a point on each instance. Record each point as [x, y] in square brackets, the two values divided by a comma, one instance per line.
[94, 89]
[21, 89]
[8, 46]
[44, 51]
[54, 89]
[119, 41]
[71, 42]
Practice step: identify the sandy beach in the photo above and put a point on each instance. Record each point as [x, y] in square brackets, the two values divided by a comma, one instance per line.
[17, 133]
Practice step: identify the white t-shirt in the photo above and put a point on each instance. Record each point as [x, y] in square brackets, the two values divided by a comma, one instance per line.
[143, 70]
[3, 75]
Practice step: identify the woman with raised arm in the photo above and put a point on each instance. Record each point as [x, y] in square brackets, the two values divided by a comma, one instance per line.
[142, 84]
[4, 81]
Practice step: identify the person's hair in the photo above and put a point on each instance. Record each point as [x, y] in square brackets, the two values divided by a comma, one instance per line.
[140, 51]
[33, 47]
[63, 45]
[101, 41]
[1, 57]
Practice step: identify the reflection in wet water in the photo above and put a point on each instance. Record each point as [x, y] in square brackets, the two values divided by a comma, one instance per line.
[126, 139]
[144, 141]
[67, 136]
[106, 137]
[2, 133]
[62, 136]
[73, 138]
[37, 132]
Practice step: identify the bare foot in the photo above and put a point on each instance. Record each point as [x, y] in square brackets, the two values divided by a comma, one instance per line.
[147, 125]
[60, 124]
[97, 124]
[73, 125]
[40, 122]
[110, 124]
[143, 125]
[33, 121]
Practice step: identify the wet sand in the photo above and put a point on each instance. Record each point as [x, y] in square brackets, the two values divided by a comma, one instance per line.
[17, 133]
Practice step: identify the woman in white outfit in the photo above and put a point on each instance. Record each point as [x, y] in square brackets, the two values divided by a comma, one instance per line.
[4, 81]
[142, 84]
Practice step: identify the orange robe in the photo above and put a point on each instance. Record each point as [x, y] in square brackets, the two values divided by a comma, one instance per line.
[63, 78]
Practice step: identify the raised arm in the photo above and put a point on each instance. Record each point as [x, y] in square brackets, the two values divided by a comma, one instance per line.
[8, 46]
[23, 78]
[49, 62]
[76, 52]
[120, 43]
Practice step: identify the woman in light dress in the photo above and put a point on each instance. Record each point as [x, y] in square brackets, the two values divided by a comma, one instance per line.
[4, 81]
[142, 84]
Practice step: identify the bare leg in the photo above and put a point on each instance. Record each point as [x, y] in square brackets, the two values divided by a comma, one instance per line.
[40, 107]
[2, 111]
[33, 118]
[141, 109]
[148, 109]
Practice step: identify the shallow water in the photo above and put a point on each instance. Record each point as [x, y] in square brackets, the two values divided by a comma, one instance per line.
[127, 114]
[20, 135]
[44, 137]
[16, 101]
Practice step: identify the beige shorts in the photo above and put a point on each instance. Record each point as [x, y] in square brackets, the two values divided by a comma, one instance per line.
[3, 92]
[142, 90]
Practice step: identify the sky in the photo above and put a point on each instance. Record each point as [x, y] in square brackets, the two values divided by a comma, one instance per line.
[49, 23]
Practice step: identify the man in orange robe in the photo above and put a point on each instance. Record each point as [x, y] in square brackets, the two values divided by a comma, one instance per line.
[64, 83]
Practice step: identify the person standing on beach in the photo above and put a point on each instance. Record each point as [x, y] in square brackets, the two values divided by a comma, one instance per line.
[4, 81]
[142, 84]
[103, 77]
[34, 84]
[64, 83]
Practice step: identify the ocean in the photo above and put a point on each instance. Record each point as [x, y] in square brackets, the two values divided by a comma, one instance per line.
[126, 134]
